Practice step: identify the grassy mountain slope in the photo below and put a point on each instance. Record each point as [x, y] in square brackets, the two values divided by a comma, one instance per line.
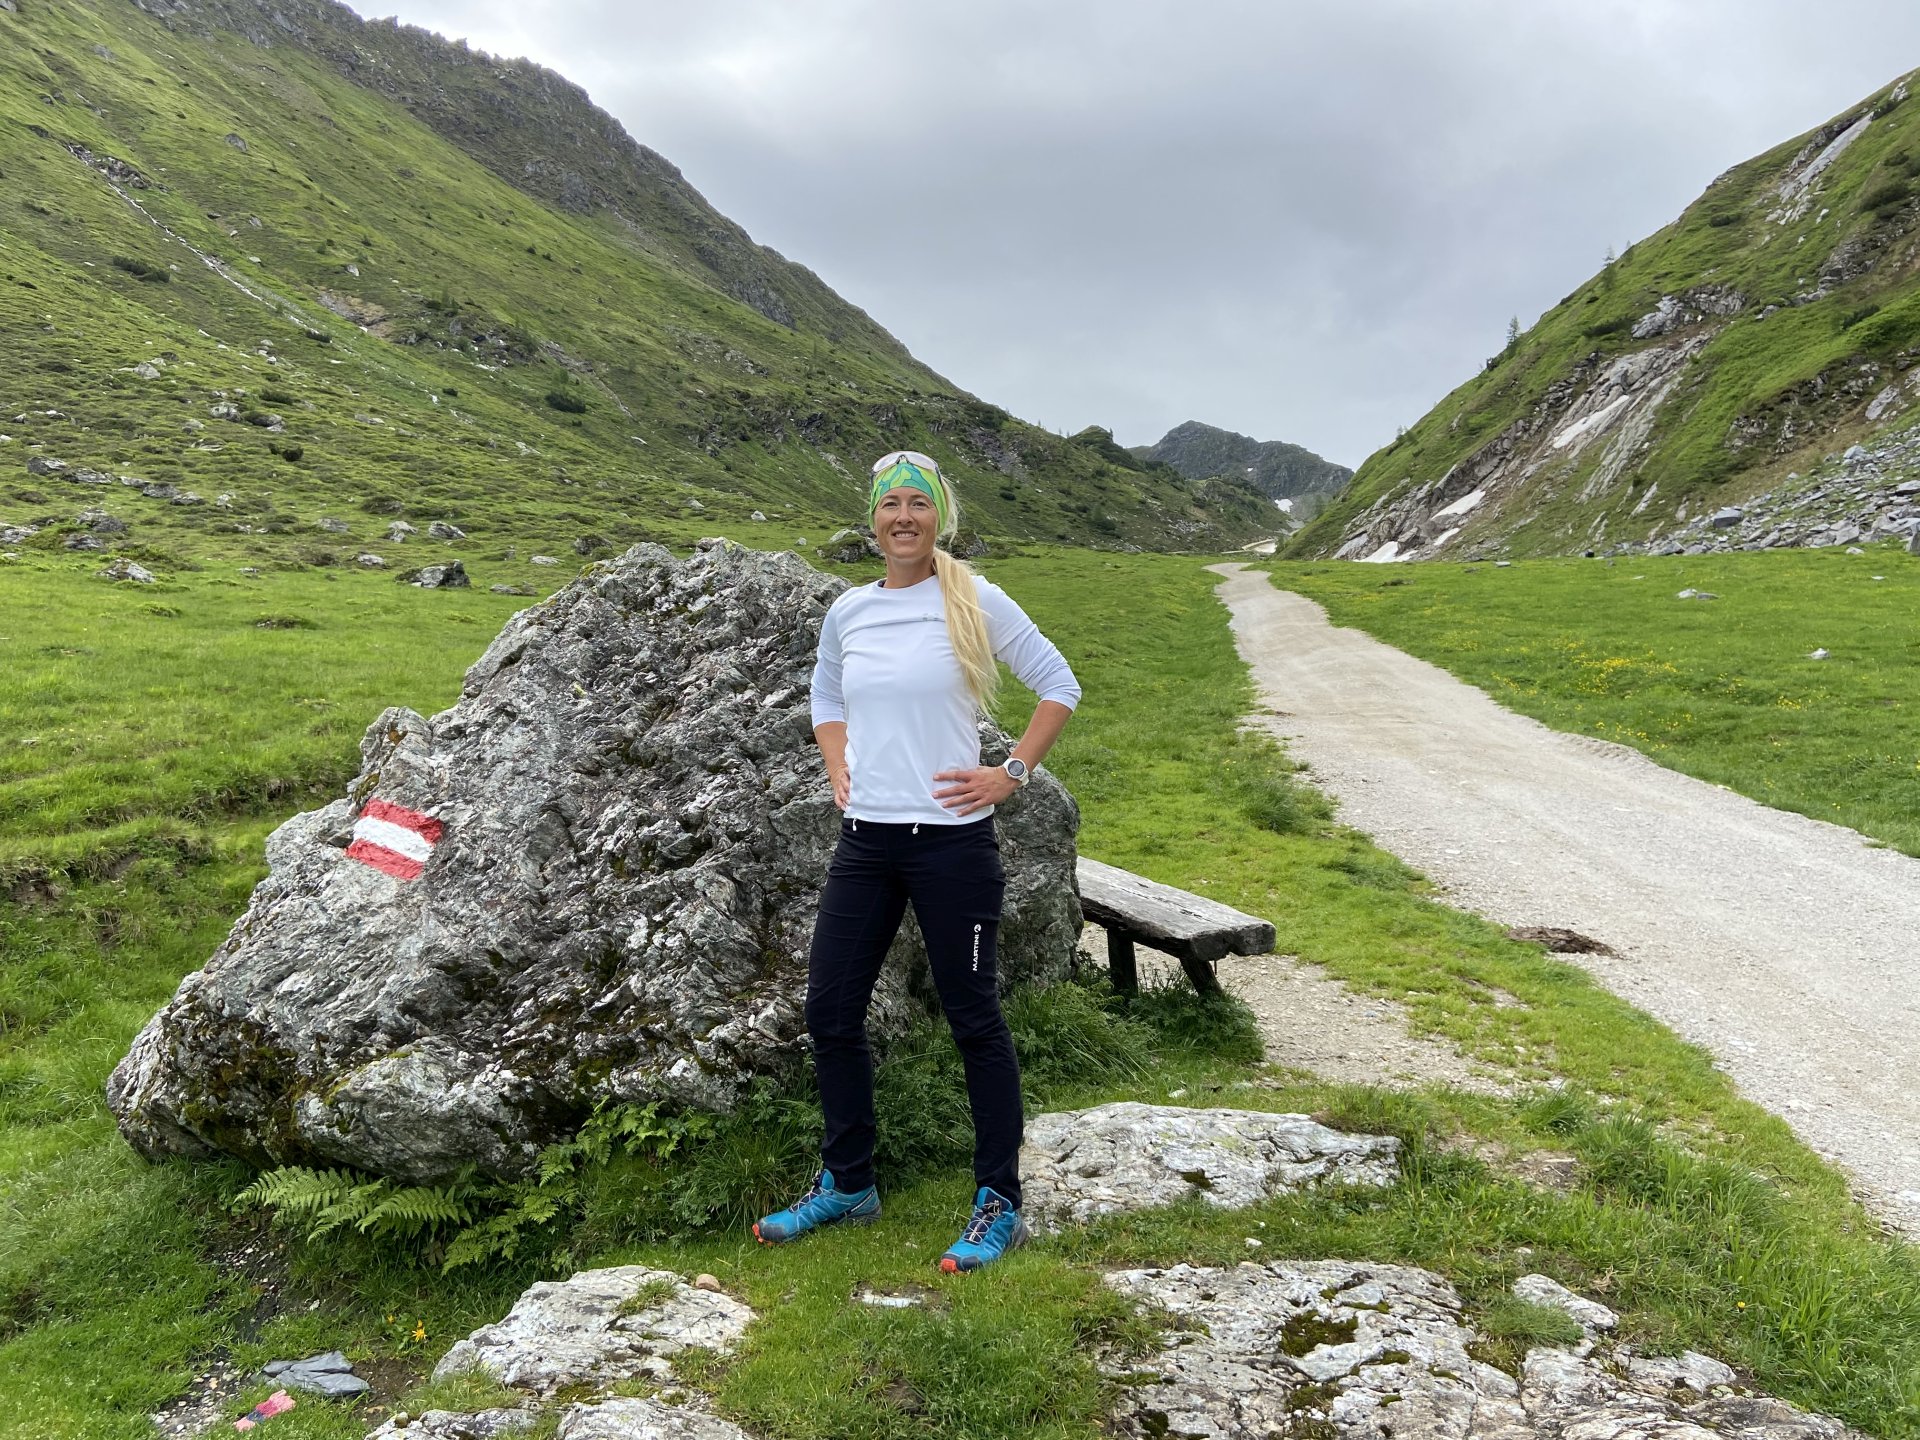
[1732, 352]
[263, 233]
[1273, 467]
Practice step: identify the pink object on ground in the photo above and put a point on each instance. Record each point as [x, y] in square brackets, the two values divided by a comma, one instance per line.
[265, 1410]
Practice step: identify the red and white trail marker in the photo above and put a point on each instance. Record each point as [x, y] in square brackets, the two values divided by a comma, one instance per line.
[394, 839]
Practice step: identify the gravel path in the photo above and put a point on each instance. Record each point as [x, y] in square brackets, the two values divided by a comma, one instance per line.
[1785, 946]
[1310, 1021]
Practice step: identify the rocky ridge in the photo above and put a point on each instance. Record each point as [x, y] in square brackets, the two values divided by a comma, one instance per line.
[1773, 322]
[1275, 468]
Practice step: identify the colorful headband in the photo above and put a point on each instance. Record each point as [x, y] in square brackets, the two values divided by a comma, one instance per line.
[916, 473]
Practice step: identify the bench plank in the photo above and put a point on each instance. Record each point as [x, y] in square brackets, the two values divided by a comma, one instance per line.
[1191, 928]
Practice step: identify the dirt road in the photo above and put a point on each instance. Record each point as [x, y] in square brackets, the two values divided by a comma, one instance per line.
[1784, 945]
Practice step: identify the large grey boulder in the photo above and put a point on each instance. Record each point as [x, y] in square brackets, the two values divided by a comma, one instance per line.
[594, 878]
[1355, 1351]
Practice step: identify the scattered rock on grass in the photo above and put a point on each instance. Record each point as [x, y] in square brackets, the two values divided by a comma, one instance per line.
[45, 465]
[441, 530]
[599, 1328]
[1127, 1156]
[330, 1374]
[1692, 594]
[1352, 1351]
[450, 576]
[451, 1425]
[399, 530]
[640, 1419]
[542, 560]
[1543, 1290]
[128, 570]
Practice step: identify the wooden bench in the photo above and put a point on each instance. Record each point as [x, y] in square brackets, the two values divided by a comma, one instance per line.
[1194, 930]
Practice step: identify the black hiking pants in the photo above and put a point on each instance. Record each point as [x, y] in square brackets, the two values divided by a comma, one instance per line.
[953, 876]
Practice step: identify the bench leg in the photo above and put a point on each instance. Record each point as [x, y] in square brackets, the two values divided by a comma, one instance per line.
[1120, 967]
[1201, 973]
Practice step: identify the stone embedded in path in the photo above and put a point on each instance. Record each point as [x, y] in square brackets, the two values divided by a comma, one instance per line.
[597, 1329]
[1354, 1351]
[1081, 1164]
[608, 858]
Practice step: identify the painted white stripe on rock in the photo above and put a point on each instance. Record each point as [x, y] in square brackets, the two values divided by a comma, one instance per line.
[397, 838]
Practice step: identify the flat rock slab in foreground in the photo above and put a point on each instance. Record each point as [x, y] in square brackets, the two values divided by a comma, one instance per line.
[594, 878]
[1080, 1164]
[1368, 1352]
[632, 1419]
[597, 1329]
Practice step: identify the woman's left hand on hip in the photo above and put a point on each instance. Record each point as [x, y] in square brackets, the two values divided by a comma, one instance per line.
[969, 790]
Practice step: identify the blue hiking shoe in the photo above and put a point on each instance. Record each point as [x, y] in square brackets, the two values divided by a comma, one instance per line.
[821, 1205]
[996, 1227]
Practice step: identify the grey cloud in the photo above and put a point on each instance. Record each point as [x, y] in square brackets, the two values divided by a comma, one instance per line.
[1302, 221]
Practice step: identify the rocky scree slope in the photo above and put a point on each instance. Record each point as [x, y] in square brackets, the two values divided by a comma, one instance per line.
[1734, 354]
[303, 268]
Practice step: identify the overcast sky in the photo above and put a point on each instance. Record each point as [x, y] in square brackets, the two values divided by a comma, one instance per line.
[1302, 221]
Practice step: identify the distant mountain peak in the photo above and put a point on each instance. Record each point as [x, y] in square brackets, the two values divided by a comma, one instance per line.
[1275, 468]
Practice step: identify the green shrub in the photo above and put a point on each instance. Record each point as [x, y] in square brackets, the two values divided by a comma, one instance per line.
[143, 269]
[1887, 196]
[1180, 1017]
[566, 401]
[272, 396]
[1607, 327]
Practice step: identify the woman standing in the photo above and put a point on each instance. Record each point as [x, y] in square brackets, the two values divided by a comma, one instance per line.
[905, 666]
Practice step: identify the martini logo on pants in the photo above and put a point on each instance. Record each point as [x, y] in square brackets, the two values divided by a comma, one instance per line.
[394, 839]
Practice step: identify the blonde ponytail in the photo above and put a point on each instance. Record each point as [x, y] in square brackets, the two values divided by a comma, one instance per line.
[967, 626]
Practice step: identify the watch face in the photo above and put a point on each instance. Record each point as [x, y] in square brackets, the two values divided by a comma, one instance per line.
[1016, 767]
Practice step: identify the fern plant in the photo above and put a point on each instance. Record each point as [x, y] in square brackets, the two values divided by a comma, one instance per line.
[328, 1200]
[477, 1219]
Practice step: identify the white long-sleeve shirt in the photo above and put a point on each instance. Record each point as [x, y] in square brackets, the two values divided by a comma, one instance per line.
[886, 669]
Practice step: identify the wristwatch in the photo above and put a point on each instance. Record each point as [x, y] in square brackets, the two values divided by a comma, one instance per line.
[1017, 770]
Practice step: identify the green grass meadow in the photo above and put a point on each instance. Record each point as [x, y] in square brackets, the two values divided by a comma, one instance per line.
[1721, 689]
[165, 745]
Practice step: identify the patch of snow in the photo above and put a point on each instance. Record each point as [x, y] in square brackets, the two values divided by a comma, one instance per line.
[1446, 535]
[1386, 554]
[1286, 504]
[1462, 505]
[1593, 423]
